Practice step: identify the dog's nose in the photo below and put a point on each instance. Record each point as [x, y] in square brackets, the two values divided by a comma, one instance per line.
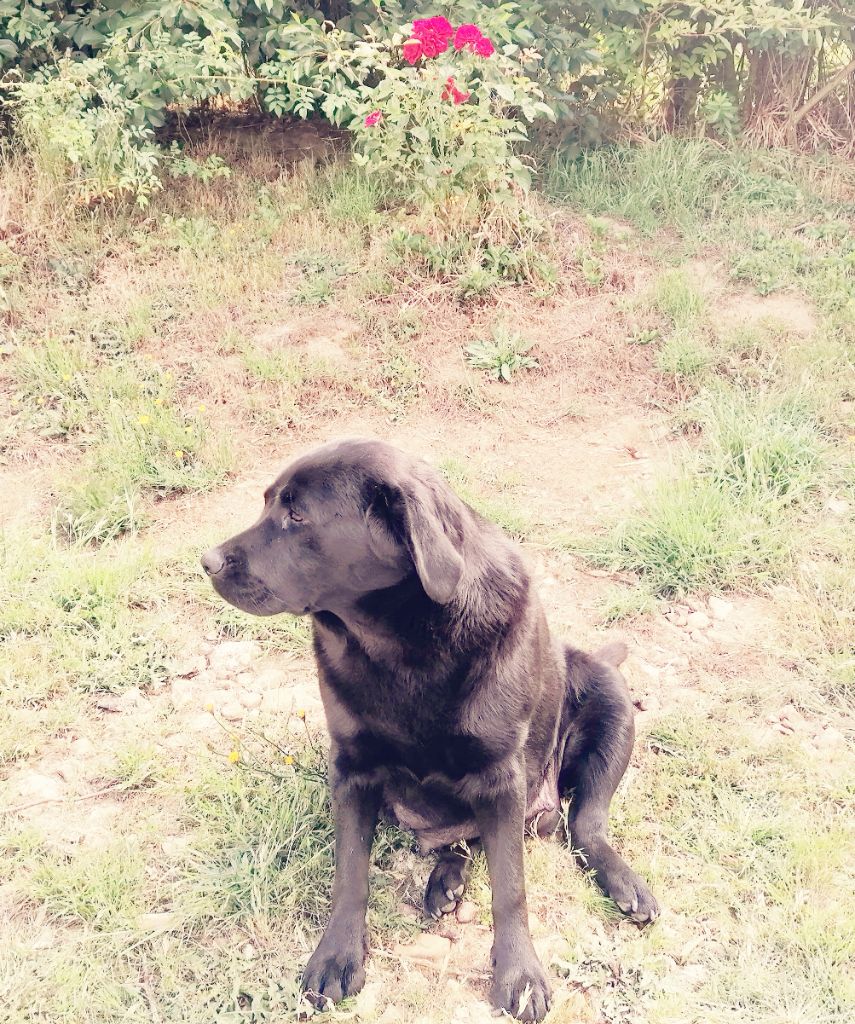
[213, 561]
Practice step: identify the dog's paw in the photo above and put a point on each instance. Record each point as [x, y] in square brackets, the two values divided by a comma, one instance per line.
[522, 991]
[445, 886]
[632, 896]
[333, 974]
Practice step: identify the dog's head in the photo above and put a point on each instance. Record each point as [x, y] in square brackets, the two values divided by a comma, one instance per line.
[348, 519]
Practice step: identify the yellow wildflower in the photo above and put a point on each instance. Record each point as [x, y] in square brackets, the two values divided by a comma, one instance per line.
[234, 756]
[144, 419]
[288, 759]
[178, 453]
[301, 713]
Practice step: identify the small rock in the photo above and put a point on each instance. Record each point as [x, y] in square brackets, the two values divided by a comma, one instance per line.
[201, 722]
[648, 703]
[649, 670]
[676, 617]
[829, 738]
[68, 770]
[161, 921]
[247, 951]
[245, 680]
[175, 846]
[698, 620]
[33, 786]
[466, 912]
[837, 506]
[182, 692]
[192, 666]
[81, 747]
[270, 679]
[249, 699]
[232, 656]
[428, 948]
[231, 711]
[408, 910]
[719, 608]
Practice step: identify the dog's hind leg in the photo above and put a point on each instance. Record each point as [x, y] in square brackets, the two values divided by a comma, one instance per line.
[447, 881]
[599, 736]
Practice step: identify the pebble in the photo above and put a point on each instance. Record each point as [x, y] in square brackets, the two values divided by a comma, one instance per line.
[247, 951]
[81, 747]
[192, 666]
[160, 921]
[182, 692]
[175, 846]
[232, 656]
[466, 912]
[250, 699]
[231, 711]
[648, 703]
[33, 786]
[676, 617]
[427, 947]
[719, 608]
[698, 620]
[271, 679]
[829, 738]
[649, 670]
[837, 506]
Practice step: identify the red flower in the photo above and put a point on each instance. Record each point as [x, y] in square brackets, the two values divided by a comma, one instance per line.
[451, 92]
[434, 34]
[439, 25]
[484, 48]
[466, 35]
[412, 50]
[373, 118]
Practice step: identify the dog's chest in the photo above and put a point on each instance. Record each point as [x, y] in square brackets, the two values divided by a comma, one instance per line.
[430, 753]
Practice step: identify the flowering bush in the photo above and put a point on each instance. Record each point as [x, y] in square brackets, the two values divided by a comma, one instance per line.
[446, 113]
[437, 108]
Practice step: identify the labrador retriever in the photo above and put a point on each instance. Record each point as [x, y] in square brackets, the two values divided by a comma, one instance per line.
[450, 708]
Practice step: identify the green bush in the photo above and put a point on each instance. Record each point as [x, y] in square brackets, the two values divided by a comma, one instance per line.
[88, 83]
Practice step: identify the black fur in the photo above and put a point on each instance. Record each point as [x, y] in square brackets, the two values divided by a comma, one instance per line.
[450, 708]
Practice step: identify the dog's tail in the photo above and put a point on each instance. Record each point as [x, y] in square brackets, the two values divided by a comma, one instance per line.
[613, 653]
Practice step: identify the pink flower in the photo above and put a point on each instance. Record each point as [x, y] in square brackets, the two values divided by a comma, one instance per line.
[484, 48]
[451, 92]
[434, 34]
[412, 50]
[373, 118]
[466, 35]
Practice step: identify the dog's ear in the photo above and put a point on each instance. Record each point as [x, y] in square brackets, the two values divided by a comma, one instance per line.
[428, 525]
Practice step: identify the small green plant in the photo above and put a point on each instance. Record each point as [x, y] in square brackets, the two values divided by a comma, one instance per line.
[592, 268]
[684, 355]
[646, 336]
[502, 356]
[676, 297]
[180, 164]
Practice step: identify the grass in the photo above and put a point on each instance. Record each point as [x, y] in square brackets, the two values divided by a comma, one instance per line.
[207, 326]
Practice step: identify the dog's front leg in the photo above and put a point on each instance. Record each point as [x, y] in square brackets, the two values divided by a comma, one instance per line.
[519, 982]
[335, 970]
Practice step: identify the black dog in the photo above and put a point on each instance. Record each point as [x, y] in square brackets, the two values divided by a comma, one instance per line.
[449, 705]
